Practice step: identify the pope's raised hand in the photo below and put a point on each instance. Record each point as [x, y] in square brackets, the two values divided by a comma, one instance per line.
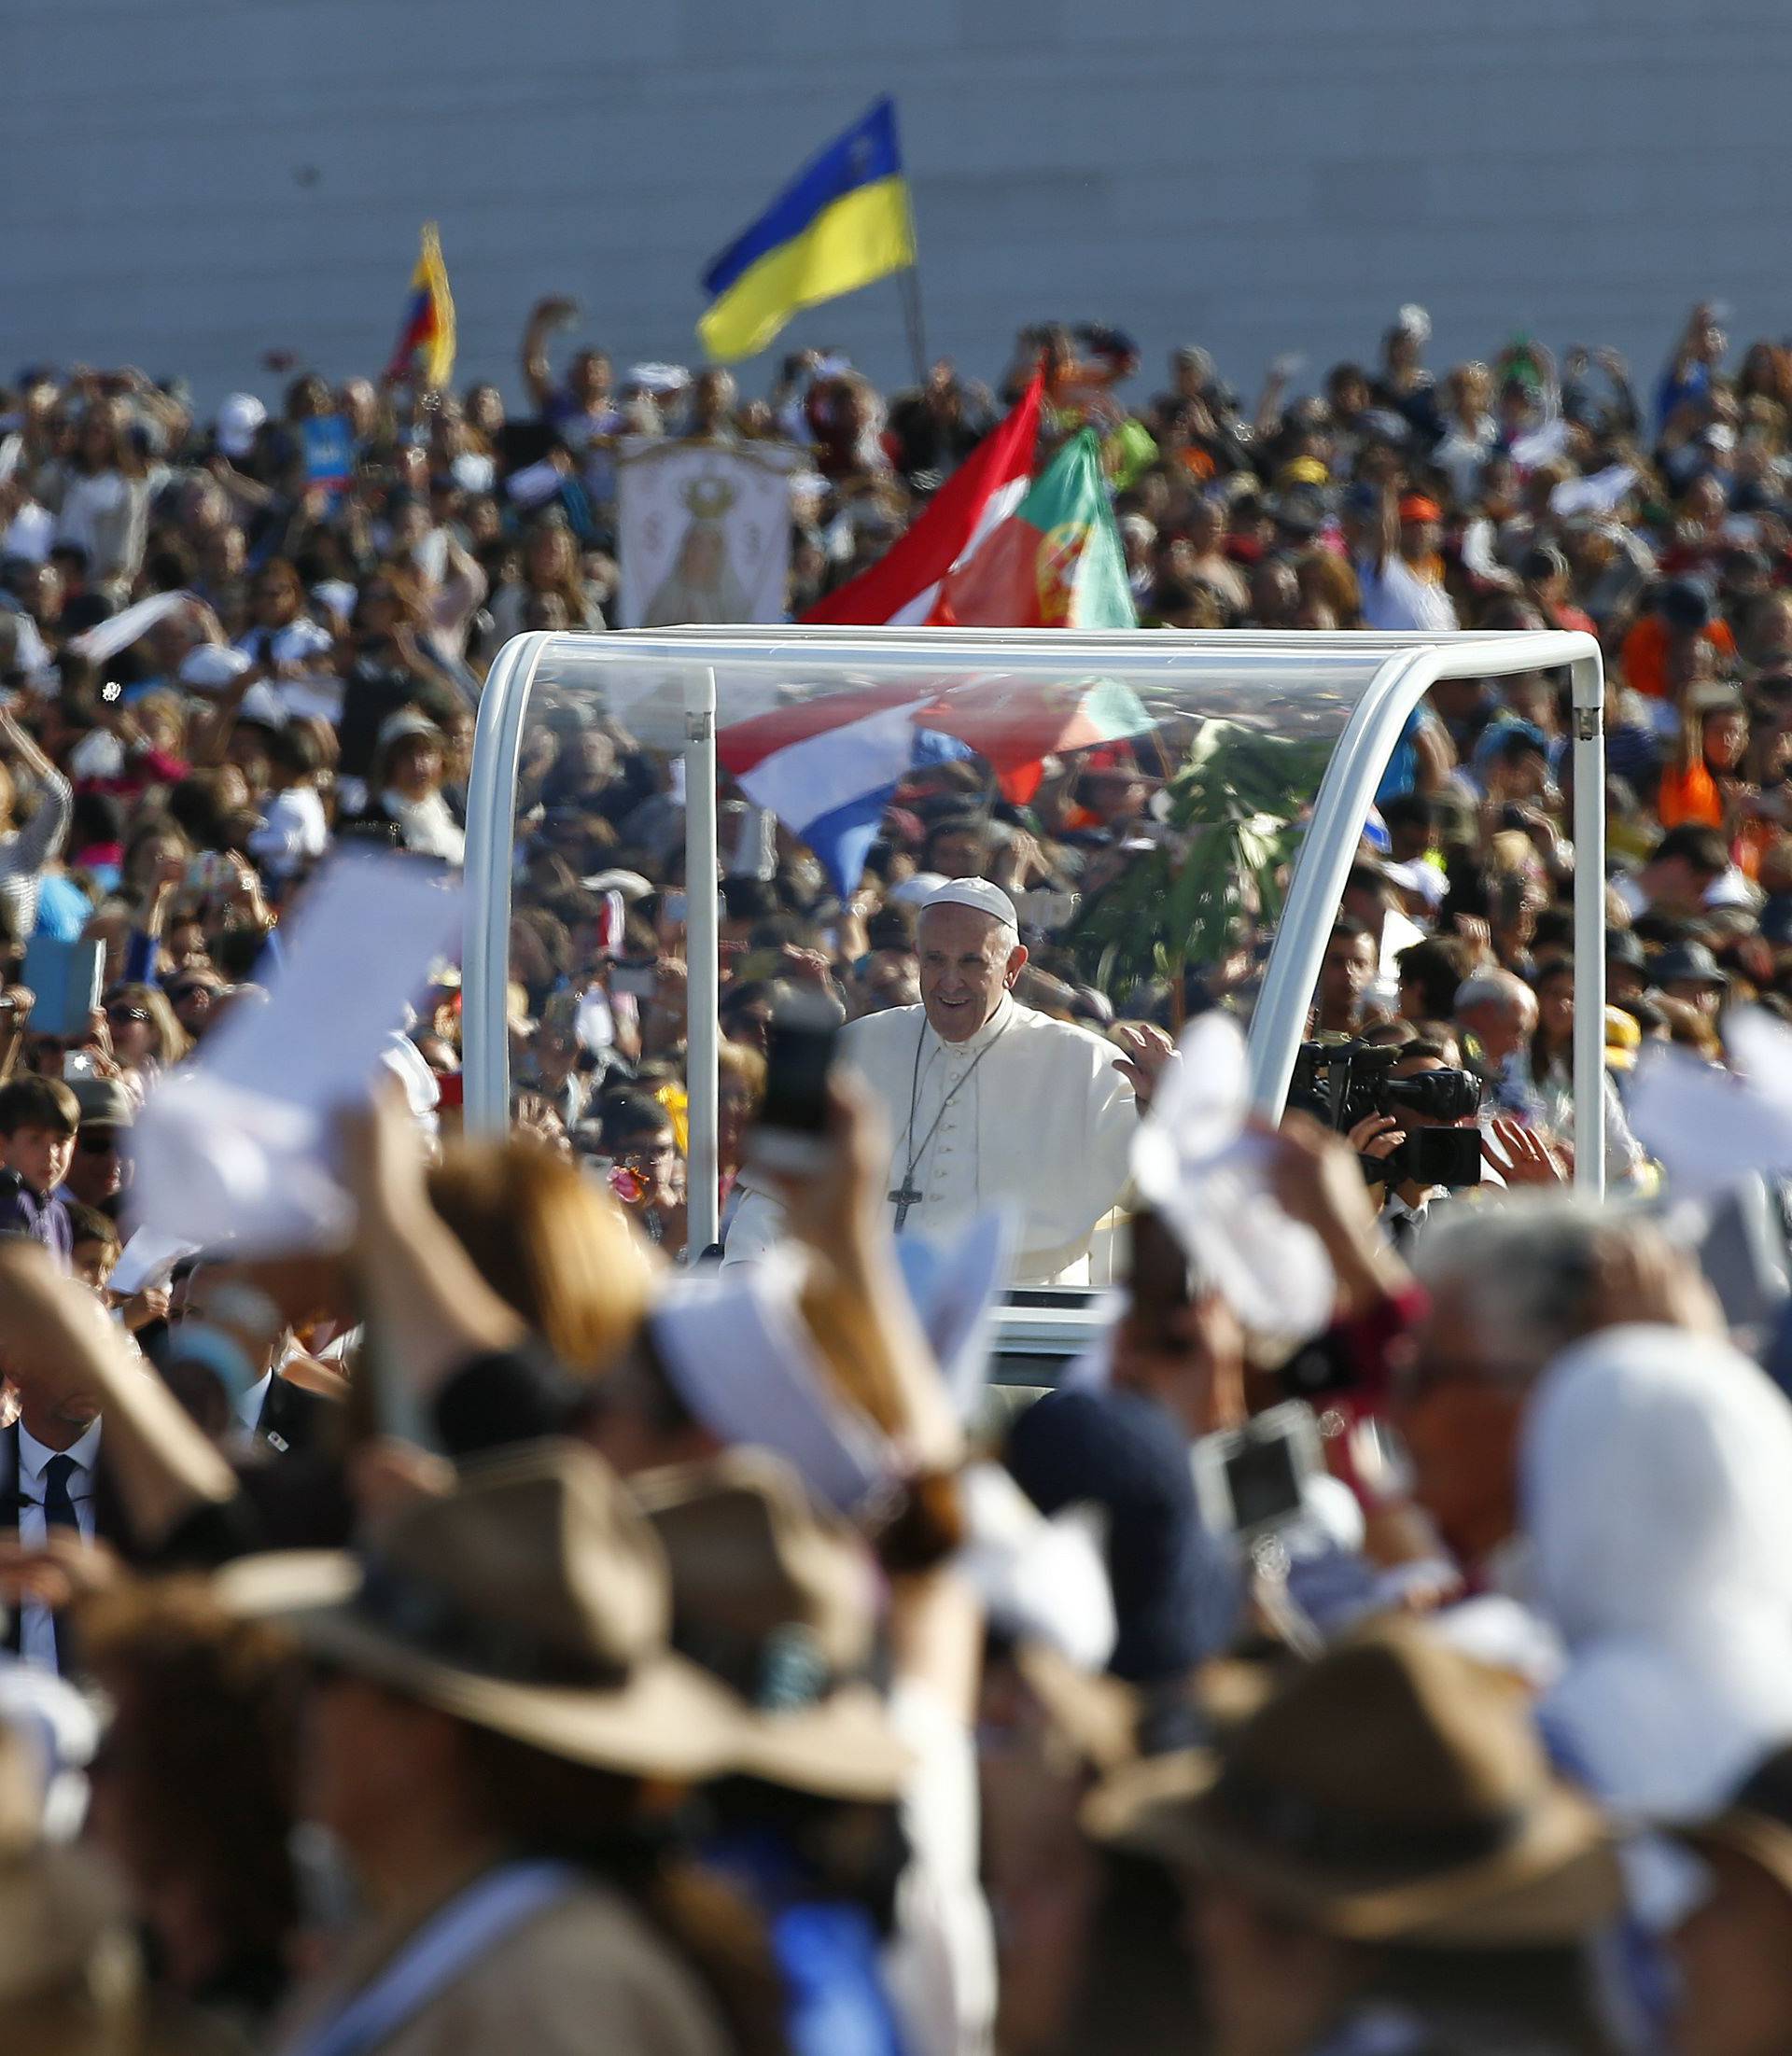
[1148, 1053]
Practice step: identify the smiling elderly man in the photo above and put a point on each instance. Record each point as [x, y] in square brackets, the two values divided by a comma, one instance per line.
[988, 1103]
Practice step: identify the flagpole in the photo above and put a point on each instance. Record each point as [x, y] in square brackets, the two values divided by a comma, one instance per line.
[912, 294]
[911, 277]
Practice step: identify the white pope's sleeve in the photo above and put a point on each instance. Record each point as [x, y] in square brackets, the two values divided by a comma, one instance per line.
[757, 1228]
[1114, 1122]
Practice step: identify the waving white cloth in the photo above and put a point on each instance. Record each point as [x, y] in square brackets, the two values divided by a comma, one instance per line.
[1195, 1164]
[1656, 1478]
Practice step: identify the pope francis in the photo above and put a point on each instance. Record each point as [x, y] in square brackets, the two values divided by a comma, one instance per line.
[988, 1103]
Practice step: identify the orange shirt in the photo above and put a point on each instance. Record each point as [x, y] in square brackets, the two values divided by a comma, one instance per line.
[1690, 796]
[1645, 653]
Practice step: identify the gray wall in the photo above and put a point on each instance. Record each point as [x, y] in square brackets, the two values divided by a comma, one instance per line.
[186, 184]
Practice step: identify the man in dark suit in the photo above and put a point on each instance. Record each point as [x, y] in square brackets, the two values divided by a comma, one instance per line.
[53, 1483]
[221, 1354]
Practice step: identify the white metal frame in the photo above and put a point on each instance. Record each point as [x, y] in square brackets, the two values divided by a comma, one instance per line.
[1407, 667]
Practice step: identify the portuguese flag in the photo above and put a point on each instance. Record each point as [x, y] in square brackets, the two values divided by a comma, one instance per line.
[1055, 563]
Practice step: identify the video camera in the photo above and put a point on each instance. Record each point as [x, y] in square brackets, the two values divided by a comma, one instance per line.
[1343, 1080]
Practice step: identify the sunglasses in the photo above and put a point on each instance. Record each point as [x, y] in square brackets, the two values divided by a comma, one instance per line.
[122, 1015]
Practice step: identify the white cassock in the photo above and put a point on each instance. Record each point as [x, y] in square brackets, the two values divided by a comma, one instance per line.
[1030, 1113]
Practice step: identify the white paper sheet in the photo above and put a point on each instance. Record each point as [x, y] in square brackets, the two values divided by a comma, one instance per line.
[148, 1259]
[1708, 1127]
[120, 630]
[235, 1147]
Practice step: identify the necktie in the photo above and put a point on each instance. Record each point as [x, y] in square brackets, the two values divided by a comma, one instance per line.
[59, 1506]
[59, 1512]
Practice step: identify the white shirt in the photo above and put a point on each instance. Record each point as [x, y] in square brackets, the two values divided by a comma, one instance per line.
[247, 1405]
[295, 833]
[1398, 601]
[427, 826]
[1029, 1113]
[1398, 932]
[37, 1627]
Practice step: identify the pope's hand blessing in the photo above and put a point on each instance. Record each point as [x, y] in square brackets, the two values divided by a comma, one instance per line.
[1146, 1053]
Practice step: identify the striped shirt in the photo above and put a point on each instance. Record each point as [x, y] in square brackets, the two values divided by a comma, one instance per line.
[24, 853]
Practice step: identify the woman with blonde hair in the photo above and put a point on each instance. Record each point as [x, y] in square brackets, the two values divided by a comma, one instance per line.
[147, 1039]
[1326, 580]
[550, 1245]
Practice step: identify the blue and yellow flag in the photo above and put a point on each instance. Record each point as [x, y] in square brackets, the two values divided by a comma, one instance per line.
[842, 222]
[425, 346]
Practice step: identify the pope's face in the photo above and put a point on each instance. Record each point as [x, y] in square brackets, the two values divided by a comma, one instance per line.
[968, 961]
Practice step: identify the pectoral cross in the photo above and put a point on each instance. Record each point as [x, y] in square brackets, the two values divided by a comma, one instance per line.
[902, 1198]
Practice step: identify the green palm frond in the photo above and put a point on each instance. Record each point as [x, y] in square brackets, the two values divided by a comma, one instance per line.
[1232, 828]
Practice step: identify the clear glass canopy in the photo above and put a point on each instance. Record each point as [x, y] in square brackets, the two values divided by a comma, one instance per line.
[1161, 800]
[1174, 813]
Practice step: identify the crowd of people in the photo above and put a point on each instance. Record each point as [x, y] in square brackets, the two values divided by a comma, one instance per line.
[503, 1625]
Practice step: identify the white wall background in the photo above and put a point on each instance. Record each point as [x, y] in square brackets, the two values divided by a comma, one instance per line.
[186, 184]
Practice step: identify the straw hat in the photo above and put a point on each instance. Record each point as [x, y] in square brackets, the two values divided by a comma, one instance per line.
[1755, 1824]
[64, 1935]
[1393, 1791]
[533, 1599]
[776, 1597]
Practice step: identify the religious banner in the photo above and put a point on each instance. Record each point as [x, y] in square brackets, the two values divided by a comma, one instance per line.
[704, 532]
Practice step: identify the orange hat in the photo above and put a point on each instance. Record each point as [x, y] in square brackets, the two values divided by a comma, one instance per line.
[1416, 507]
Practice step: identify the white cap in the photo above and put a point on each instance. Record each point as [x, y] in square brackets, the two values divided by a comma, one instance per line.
[630, 884]
[1424, 879]
[212, 665]
[980, 896]
[338, 595]
[916, 891]
[1414, 321]
[239, 422]
[658, 378]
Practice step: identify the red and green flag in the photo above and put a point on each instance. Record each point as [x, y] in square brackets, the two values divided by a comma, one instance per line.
[1056, 562]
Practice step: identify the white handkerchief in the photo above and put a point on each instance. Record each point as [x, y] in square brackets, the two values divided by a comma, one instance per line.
[1707, 1127]
[741, 1360]
[532, 483]
[120, 630]
[236, 1146]
[594, 1024]
[1540, 445]
[954, 1287]
[1039, 1580]
[1197, 1166]
[1598, 494]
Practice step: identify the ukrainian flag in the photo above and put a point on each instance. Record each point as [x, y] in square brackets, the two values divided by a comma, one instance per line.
[844, 221]
[425, 344]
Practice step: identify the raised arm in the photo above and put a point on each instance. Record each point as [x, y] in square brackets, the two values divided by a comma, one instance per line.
[545, 317]
[41, 837]
[423, 1295]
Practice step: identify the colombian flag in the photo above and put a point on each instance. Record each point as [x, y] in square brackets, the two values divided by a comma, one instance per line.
[425, 344]
[842, 221]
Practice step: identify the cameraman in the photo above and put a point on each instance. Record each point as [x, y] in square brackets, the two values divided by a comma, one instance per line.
[1376, 1138]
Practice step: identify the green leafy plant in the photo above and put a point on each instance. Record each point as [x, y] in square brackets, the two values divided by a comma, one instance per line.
[1235, 804]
